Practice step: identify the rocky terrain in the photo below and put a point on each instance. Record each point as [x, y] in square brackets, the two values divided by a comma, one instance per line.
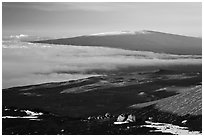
[154, 102]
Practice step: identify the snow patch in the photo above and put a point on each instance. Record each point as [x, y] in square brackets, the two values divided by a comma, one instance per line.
[31, 113]
[20, 117]
[120, 33]
[120, 123]
[161, 89]
[169, 128]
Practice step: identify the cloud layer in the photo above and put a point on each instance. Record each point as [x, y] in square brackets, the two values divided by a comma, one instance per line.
[26, 63]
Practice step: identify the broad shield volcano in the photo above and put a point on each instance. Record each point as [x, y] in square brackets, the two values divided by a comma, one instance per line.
[145, 40]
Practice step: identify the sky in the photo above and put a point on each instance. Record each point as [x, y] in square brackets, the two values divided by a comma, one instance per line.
[75, 19]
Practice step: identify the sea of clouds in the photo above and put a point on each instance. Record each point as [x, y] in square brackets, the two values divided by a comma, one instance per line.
[25, 63]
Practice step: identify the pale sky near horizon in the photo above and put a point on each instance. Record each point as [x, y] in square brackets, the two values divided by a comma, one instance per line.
[73, 19]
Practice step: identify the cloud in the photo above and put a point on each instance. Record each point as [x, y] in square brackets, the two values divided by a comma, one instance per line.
[18, 36]
[36, 63]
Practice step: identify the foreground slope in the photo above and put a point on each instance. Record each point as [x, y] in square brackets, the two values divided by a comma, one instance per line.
[188, 101]
[170, 100]
[96, 95]
[142, 40]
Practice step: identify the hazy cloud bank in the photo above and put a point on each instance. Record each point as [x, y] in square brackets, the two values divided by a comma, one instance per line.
[26, 63]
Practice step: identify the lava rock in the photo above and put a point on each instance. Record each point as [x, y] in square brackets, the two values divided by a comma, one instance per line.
[122, 118]
[131, 118]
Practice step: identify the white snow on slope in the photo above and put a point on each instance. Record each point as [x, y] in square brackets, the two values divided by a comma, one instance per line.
[169, 128]
[30, 115]
[120, 33]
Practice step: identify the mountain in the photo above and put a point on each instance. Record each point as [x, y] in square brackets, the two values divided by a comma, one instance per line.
[139, 40]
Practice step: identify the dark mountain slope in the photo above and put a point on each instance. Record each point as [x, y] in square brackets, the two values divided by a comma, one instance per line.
[144, 41]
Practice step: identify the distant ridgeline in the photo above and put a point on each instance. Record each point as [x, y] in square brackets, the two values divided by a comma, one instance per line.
[142, 40]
